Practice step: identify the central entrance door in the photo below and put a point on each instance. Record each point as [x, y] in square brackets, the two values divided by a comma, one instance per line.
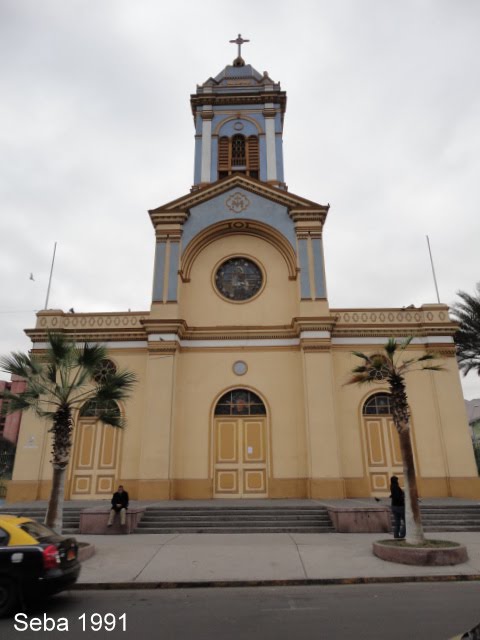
[240, 446]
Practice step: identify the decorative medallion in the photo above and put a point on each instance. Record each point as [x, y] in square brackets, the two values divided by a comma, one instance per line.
[238, 126]
[237, 202]
[240, 368]
[238, 279]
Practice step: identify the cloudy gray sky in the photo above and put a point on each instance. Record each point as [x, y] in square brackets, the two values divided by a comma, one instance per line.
[383, 122]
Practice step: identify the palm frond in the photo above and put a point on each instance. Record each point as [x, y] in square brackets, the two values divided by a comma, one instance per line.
[427, 356]
[404, 344]
[20, 364]
[467, 338]
[391, 348]
[433, 367]
[113, 419]
[361, 355]
[359, 379]
[90, 356]
[59, 349]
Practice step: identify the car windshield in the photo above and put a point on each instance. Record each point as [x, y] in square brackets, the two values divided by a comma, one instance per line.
[37, 531]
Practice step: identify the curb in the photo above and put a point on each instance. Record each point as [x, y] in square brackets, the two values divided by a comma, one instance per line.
[85, 551]
[203, 584]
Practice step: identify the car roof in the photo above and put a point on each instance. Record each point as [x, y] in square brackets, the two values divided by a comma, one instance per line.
[9, 518]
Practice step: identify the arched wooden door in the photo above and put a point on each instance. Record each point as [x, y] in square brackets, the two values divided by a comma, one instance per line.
[382, 446]
[95, 460]
[240, 457]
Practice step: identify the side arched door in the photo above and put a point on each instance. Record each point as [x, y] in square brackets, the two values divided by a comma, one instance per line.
[96, 453]
[382, 446]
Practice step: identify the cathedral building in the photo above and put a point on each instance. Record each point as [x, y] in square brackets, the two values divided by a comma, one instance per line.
[241, 361]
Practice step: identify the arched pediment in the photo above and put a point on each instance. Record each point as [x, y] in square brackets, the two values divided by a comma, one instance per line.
[236, 227]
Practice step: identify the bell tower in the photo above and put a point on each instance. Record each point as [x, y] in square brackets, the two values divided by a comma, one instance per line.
[238, 119]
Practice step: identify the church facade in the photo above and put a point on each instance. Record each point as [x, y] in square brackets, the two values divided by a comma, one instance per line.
[241, 362]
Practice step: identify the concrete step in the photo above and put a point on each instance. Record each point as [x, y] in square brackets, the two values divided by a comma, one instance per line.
[235, 519]
[232, 525]
[235, 530]
[452, 528]
[239, 510]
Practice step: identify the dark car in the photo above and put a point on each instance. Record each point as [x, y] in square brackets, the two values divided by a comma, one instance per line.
[34, 561]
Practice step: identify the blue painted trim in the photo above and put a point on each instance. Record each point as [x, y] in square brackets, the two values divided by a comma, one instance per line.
[173, 271]
[279, 157]
[197, 169]
[159, 272]
[263, 158]
[304, 275]
[214, 163]
[320, 291]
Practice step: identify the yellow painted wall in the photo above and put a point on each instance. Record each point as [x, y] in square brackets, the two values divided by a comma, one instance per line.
[201, 305]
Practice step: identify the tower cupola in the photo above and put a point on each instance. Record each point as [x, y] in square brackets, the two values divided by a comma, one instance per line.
[238, 118]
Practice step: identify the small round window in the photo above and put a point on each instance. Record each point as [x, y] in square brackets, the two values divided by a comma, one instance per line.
[103, 371]
[238, 279]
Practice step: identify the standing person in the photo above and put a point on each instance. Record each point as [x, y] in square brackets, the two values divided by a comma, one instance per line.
[119, 505]
[398, 508]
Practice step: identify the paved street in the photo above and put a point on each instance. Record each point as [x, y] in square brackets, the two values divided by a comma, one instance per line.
[417, 611]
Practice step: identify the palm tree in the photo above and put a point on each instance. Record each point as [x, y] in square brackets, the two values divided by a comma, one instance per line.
[467, 338]
[59, 382]
[390, 365]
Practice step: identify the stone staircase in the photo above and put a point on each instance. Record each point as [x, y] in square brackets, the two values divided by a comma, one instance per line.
[450, 518]
[236, 519]
[71, 515]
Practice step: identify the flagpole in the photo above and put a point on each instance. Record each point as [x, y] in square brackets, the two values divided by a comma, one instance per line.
[433, 269]
[50, 278]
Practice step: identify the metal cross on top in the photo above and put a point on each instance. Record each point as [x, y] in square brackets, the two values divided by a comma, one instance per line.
[239, 41]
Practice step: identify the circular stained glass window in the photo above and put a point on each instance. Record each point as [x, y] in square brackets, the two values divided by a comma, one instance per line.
[238, 279]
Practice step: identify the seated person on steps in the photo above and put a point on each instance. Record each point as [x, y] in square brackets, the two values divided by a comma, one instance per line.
[119, 505]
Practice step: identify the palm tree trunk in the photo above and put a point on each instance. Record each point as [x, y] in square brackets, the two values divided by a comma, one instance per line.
[54, 517]
[413, 520]
[401, 418]
[62, 442]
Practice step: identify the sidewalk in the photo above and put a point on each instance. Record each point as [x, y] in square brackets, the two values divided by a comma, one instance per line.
[179, 559]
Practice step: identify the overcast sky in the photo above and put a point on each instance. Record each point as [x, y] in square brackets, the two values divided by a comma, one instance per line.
[383, 123]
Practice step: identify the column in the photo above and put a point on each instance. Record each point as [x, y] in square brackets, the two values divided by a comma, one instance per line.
[269, 115]
[154, 466]
[159, 270]
[325, 474]
[205, 175]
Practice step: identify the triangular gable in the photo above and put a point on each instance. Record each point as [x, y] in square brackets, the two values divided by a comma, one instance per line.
[285, 198]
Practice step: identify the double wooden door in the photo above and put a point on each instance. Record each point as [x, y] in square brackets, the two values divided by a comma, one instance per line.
[384, 458]
[95, 460]
[240, 457]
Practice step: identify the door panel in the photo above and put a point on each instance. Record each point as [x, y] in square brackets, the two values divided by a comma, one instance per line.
[240, 461]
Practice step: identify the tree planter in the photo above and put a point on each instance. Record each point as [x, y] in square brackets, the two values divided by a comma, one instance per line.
[427, 556]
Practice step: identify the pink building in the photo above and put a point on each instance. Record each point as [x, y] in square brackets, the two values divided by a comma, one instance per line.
[10, 423]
